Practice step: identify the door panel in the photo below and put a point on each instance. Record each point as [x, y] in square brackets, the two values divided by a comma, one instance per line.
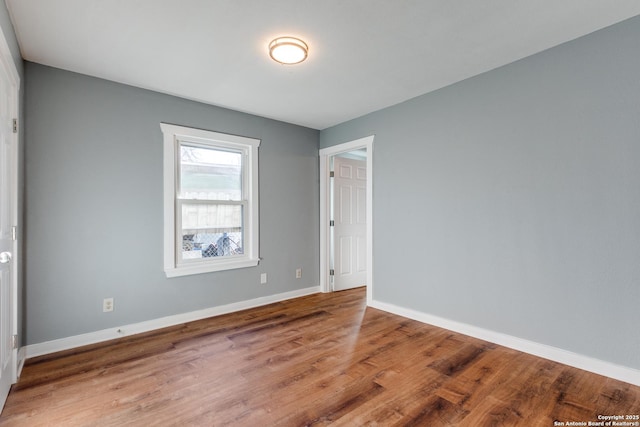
[6, 281]
[350, 223]
[344, 252]
[8, 198]
[344, 207]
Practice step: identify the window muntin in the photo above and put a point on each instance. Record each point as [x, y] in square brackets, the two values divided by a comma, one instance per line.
[213, 216]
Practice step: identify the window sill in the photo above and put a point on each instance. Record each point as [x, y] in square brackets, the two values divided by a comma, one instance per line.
[187, 270]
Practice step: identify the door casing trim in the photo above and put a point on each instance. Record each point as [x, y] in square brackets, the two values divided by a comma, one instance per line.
[325, 155]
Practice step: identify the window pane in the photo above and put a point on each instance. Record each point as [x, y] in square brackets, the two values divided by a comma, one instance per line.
[210, 230]
[210, 174]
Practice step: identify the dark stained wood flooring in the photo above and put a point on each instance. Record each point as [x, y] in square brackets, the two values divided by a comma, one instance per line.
[317, 360]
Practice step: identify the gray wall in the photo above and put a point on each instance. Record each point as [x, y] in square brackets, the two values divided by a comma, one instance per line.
[94, 206]
[511, 201]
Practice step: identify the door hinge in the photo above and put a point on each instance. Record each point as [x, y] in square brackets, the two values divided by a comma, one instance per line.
[331, 174]
[14, 341]
[332, 272]
[14, 233]
[15, 125]
[332, 223]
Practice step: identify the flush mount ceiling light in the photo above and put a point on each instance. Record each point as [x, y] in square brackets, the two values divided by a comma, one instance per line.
[288, 50]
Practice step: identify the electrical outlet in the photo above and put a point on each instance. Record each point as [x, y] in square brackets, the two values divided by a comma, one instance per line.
[298, 273]
[263, 278]
[107, 305]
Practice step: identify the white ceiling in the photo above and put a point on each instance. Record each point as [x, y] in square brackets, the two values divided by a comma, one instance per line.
[364, 54]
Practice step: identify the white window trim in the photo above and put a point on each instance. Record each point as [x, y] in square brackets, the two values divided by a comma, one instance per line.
[173, 134]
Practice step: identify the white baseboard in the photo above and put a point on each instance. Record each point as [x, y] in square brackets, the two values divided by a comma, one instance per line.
[622, 373]
[48, 347]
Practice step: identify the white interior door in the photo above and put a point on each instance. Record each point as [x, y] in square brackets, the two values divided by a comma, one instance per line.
[350, 223]
[8, 216]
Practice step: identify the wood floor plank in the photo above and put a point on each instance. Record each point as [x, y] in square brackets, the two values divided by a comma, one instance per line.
[317, 360]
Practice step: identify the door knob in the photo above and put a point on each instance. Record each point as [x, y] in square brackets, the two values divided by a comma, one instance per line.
[5, 257]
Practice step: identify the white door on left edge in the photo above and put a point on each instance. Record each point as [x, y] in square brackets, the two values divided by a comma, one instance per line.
[8, 216]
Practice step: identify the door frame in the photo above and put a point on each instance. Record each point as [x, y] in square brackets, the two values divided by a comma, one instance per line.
[6, 62]
[325, 205]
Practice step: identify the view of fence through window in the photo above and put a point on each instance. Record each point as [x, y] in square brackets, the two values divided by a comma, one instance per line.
[210, 202]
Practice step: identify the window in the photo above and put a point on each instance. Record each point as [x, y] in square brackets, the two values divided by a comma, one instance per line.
[210, 201]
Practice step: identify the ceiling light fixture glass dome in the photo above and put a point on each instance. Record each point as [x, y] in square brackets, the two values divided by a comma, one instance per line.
[288, 50]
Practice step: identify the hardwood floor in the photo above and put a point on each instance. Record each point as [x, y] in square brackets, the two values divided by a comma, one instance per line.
[321, 359]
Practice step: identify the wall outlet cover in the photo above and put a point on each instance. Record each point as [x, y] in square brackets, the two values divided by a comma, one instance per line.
[107, 305]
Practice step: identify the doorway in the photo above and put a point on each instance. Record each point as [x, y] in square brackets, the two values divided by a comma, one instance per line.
[346, 219]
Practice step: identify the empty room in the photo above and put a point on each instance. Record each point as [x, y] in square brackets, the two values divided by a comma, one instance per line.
[293, 212]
